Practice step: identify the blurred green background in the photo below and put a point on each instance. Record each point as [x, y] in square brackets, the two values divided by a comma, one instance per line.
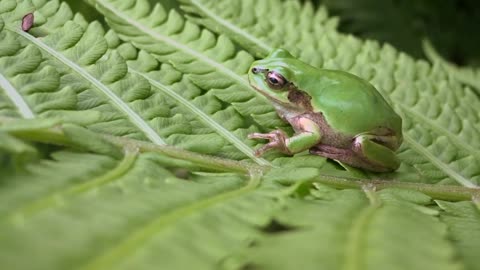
[452, 26]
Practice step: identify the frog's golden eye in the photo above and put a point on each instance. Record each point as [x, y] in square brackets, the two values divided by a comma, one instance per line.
[275, 80]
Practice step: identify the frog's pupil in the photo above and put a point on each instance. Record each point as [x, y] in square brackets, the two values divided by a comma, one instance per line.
[273, 80]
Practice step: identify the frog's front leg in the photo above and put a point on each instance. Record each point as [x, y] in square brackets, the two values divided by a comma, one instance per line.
[374, 150]
[308, 134]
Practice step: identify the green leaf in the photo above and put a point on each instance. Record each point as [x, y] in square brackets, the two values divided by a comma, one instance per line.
[99, 190]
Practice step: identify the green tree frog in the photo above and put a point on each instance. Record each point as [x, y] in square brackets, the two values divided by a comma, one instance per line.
[334, 114]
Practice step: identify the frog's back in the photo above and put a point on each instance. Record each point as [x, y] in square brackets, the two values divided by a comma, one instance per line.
[351, 104]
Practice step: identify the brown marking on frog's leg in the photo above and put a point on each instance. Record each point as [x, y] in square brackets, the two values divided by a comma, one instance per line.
[346, 156]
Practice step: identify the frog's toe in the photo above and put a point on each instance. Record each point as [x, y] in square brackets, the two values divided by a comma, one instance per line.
[258, 136]
[260, 151]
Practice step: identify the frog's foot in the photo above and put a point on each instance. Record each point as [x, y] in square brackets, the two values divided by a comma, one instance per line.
[277, 141]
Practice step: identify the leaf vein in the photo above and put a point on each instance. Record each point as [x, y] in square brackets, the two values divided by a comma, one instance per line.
[16, 98]
[179, 46]
[207, 120]
[138, 237]
[118, 102]
[438, 163]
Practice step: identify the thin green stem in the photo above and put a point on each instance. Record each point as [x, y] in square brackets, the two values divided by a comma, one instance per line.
[441, 192]
[54, 135]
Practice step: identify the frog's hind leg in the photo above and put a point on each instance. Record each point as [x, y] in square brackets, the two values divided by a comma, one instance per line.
[367, 152]
[346, 156]
[378, 151]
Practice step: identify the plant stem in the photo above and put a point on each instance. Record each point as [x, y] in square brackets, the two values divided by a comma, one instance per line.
[55, 135]
[441, 192]
[205, 161]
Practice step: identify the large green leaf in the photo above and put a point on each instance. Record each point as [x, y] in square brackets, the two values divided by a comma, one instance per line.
[92, 122]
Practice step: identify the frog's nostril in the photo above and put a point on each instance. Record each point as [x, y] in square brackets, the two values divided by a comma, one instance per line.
[256, 70]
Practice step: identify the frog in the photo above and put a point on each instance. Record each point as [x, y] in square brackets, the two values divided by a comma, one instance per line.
[333, 113]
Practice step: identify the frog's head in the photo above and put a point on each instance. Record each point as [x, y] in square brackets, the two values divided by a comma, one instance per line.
[275, 77]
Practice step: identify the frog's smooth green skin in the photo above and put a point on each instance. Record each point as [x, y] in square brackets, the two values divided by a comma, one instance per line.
[335, 114]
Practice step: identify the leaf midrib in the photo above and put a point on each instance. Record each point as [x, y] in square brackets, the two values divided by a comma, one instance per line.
[16, 98]
[136, 238]
[149, 132]
[354, 244]
[438, 163]
[229, 136]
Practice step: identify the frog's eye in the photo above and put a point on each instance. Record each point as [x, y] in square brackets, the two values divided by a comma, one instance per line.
[275, 80]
